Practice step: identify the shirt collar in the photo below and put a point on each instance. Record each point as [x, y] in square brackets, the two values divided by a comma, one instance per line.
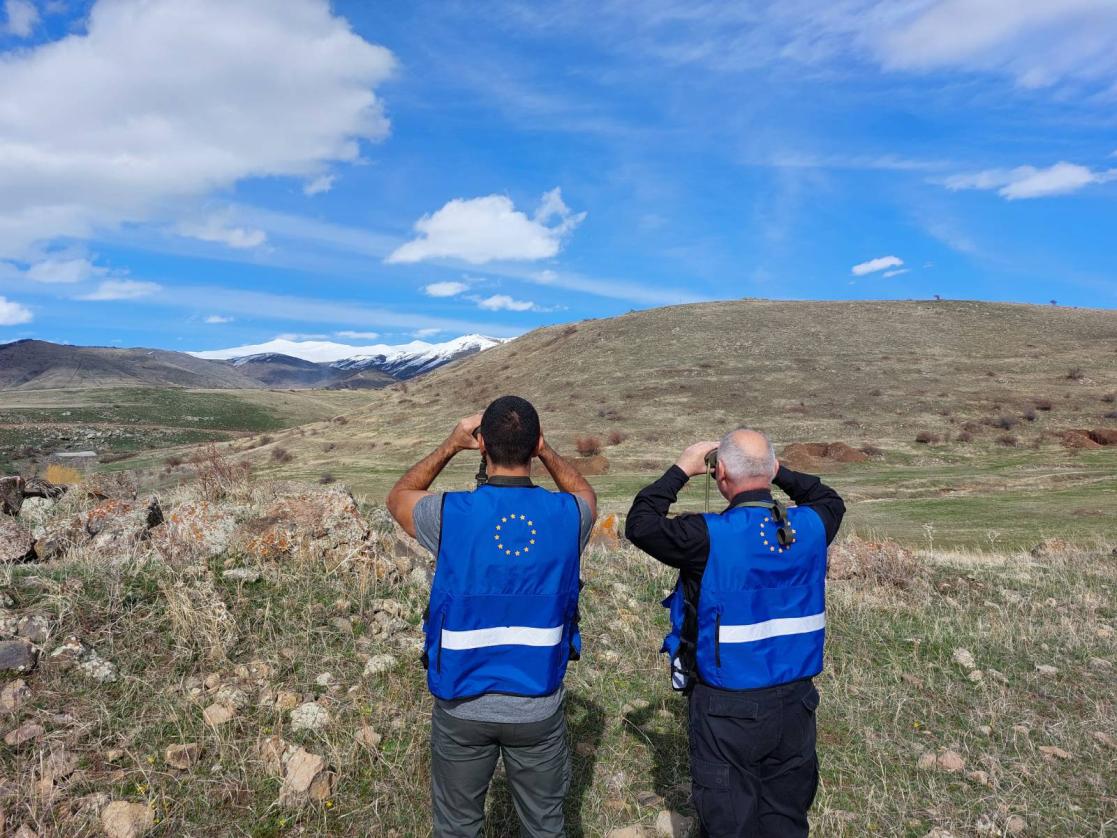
[750, 495]
[507, 480]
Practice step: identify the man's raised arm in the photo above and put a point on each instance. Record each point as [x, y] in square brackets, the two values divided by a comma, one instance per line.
[566, 477]
[412, 487]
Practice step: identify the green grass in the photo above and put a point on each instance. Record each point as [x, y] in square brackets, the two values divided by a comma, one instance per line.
[891, 691]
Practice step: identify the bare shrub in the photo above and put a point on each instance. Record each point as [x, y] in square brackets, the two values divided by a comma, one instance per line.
[201, 619]
[876, 392]
[587, 446]
[326, 479]
[217, 475]
[971, 427]
[1031, 415]
[1045, 405]
[1111, 415]
[266, 439]
[1008, 440]
[926, 438]
[172, 461]
[342, 420]
[328, 447]
[609, 413]
[616, 437]
[1005, 423]
[876, 563]
[282, 455]
[1075, 374]
[1109, 398]
[872, 450]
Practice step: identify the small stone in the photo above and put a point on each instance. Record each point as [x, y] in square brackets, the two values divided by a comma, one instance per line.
[1100, 664]
[246, 575]
[183, 756]
[121, 819]
[976, 675]
[985, 730]
[635, 706]
[979, 777]
[27, 732]
[1046, 669]
[309, 716]
[585, 748]
[368, 737]
[55, 768]
[234, 696]
[113, 754]
[1021, 730]
[1015, 825]
[286, 700]
[997, 676]
[306, 778]
[379, 664]
[212, 681]
[948, 761]
[649, 799]
[17, 656]
[325, 679]
[1054, 751]
[342, 624]
[634, 831]
[14, 695]
[939, 832]
[218, 714]
[672, 825]
[964, 658]
[98, 669]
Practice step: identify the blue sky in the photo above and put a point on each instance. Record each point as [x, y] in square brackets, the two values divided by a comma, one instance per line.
[198, 174]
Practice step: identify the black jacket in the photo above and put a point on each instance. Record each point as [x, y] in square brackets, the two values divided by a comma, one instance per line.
[683, 542]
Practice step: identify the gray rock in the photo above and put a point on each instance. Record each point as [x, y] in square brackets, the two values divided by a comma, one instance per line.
[247, 575]
[34, 627]
[17, 656]
[11, 494]
[15, 542]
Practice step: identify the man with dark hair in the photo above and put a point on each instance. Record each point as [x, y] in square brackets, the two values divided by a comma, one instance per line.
[502, 621]
[748, 619]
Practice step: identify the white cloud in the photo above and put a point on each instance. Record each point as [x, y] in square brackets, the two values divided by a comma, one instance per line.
[445, 289]
[219, 319]
[22, 17]
[502, 302]
[422, 334]
[1030, 182]
[322, 183]
[160, 102]
[63, 271]
[479, 230]
[121, 289]
[897, 272]
[881, 263]
[215, 228]
[347, 333]
[13, 314]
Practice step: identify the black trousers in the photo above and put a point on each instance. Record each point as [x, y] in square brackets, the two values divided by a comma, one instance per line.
[753, 762]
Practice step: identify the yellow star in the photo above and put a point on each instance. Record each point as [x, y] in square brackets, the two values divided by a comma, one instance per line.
[517, 552]
[533, 532]
[531, 540]
[497, 536]
[522, 517]
[531, 523]
[508, 552]
[773, 549]
[503, 521]
[526, 549]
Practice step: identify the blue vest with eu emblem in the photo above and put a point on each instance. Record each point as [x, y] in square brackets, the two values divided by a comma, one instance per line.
[503, 614]
[761, 611]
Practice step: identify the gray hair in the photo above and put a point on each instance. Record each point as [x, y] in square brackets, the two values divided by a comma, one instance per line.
[740, 465]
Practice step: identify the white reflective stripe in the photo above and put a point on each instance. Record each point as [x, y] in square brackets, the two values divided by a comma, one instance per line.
[772, 628]
[501, 636]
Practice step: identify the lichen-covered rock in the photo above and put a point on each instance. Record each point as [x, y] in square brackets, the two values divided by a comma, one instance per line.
[75, 654]
[121, 819]
[194, 532]
[15, 542]
[327, 524]
[309, 716]
[17, 656]
[117, 485]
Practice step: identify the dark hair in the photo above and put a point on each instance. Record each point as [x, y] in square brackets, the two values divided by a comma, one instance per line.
[510, 427]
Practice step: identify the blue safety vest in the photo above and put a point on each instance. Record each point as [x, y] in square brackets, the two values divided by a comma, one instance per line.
[761, 611]
[503, 613]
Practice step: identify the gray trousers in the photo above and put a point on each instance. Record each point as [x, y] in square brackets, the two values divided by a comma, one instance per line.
[463, 758]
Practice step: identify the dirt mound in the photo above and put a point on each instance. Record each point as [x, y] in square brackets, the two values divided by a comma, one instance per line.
[1096, 438]
[591, 466]
[804, 456]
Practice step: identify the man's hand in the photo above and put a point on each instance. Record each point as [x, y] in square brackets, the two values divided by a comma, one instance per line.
[462, 437]
[693, 459]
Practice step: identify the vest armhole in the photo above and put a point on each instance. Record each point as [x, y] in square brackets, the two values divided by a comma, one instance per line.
[441, 524]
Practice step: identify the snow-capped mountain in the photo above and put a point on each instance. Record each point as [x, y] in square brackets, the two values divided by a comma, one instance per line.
[399, 361]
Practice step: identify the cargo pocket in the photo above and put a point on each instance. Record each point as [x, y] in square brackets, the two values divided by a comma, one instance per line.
[714, 800]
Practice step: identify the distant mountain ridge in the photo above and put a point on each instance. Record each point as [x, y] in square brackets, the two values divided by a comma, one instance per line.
[33, 364]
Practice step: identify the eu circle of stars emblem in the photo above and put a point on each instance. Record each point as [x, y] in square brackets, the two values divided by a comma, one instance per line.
[769, 539]
[515, 535]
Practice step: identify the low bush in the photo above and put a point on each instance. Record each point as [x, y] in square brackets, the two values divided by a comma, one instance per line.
[1006, 423]
[1008, 440]
[172, 461]
[1044, 405]
[872, 451]
[1031, 415]
[1111, 415]
[616, 438]
[1109, 398]
[281, 455]
[326, 479]
[926, 438]
[587, 446]
[1075, 374]
[964, 436]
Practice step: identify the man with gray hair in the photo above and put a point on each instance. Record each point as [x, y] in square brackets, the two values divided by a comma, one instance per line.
[748, 619]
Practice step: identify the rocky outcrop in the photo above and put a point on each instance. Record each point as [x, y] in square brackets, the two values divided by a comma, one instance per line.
[15, 542]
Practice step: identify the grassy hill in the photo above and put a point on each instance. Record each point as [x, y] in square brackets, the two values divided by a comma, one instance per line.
[991, 386]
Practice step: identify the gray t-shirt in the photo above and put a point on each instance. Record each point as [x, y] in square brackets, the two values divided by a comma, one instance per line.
[492, 707]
